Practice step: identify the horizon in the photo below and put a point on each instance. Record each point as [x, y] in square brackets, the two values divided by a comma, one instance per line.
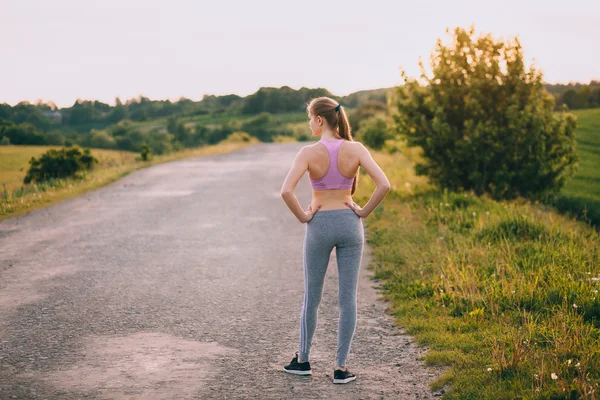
[176, 99]
[99, 52]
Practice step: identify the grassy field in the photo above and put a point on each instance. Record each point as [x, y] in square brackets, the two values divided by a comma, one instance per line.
[17, 199]
[582, 193]
[505, 295]
[14, 162]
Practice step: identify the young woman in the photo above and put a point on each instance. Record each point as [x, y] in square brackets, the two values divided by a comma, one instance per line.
[333, 220]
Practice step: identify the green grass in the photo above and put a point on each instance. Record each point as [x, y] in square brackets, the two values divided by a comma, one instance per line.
[504, 294]
[17, 199]
[581, 195]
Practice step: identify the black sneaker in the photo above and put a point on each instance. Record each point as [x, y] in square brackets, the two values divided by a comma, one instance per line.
[296, 368]
[341, 376]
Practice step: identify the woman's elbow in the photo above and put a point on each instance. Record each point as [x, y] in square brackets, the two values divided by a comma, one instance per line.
[385, 186]
[285, 192]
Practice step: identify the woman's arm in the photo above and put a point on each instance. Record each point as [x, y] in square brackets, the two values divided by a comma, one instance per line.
[378, 176]
[298, 169]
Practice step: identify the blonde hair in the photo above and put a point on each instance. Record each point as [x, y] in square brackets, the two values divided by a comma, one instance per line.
[325, 107]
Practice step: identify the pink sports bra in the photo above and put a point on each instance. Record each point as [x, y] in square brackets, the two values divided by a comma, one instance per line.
[333, 179]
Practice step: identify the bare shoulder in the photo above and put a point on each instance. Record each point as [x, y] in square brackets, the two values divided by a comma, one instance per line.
[357, 148]
[310, 149]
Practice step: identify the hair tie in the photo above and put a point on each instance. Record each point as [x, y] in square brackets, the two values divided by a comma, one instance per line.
[338, 107]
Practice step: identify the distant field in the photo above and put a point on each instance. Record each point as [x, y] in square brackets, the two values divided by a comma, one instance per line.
[14, 161]
[583, 190]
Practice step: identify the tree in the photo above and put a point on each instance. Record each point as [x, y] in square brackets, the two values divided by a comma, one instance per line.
[485, 122]
[25, 133]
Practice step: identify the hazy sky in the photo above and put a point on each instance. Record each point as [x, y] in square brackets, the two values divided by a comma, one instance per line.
[61, 50]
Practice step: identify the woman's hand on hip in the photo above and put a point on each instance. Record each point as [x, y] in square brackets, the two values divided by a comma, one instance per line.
[357, 209]
[310, 213]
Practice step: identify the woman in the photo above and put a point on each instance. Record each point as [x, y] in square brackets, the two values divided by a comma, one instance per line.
[333, 220]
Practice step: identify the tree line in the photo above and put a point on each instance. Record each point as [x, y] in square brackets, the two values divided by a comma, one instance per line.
[86, 114]
[576, 95]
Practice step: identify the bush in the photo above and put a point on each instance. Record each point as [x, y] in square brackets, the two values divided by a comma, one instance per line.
[99, 140]
[158, 141]
[373, 132]
[366, 110]
[261, 126]
[238, 137]
[485, 123]
[55, 138]
[146, 153]
[63, 163]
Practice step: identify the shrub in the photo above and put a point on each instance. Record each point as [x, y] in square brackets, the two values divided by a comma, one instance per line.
[261, 126]
[485, 123]
[364, 111]
[63, 163]
[145, 154]
[237, 137]
[373, 132]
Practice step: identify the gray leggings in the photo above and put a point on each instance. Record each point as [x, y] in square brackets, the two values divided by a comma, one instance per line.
[342, 229]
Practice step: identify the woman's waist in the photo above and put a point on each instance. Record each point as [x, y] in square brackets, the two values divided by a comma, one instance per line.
[331, 199]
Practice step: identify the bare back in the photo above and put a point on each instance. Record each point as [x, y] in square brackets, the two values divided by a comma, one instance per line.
[318, 164]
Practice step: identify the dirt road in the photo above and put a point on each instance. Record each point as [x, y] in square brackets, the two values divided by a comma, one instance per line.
[180, 281]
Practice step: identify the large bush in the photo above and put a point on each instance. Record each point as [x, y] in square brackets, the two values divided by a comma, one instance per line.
[63, 163]
[485, 122]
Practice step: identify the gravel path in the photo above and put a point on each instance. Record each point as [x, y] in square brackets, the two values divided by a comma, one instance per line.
[179, 281]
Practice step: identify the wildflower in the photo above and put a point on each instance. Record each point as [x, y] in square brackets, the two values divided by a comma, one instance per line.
[596, 279]
[474, 213]
[513, 292]
[568, 362]
[407, 184]
[578, 364]
[442, 276]
[594, 291]
[447, 205]
[575, 305]
[487, 213]
[588, 273]
[489, 370]
[554, 376]
[536, 376]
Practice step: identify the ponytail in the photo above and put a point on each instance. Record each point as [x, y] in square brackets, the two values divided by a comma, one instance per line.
[345, 132]
[336, 117]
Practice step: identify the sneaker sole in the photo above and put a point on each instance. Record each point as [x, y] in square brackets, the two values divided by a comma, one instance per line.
[344, 380]
[295, 372]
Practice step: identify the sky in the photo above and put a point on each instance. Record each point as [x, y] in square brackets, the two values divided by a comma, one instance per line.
[62, 50]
